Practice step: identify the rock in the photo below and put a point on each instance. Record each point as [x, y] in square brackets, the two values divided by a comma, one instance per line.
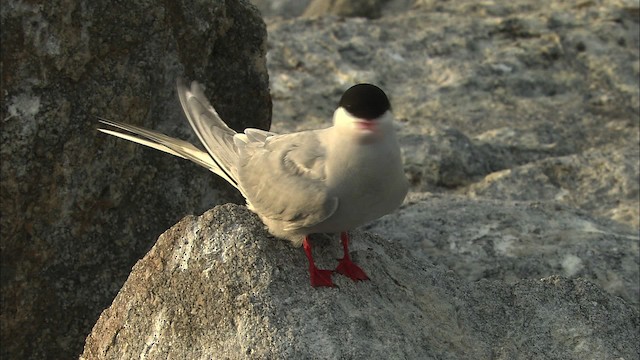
[78, 207]
[483, 90]
[471, 75]
[603, 181]
[216, 286]
[514, 240]
[349, 8]
[275, 10]
[502, 100]
[280, 8]
[435, 157]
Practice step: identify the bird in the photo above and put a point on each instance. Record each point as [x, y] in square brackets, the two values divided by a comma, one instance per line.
[329, 180]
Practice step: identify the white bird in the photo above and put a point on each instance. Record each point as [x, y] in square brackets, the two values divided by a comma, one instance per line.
[318, 181]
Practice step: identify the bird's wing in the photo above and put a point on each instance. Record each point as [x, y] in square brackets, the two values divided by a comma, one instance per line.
[214, 134]
[283, 178]
[257, 134]
[164, 143]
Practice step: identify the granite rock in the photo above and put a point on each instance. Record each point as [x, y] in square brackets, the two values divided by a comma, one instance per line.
[278, 9]
[217, 286]
[348, 8]
[509, 241]
[485, 90]
[79, 207]
[497, 101]
[602, 181]
[275, 10]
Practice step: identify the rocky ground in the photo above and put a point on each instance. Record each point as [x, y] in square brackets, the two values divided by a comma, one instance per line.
[519, 124]
[218, 286]
[525, 103]
[511, 100]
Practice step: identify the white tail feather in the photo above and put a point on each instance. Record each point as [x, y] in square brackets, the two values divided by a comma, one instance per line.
[166, 144]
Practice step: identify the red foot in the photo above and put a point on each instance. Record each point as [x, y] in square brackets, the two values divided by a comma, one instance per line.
[346, 267]
[318, 277]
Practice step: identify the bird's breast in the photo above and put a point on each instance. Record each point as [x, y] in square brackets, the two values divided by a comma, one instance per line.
[369, 182]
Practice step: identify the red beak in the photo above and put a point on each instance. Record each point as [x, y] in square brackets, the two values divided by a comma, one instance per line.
[367, 125]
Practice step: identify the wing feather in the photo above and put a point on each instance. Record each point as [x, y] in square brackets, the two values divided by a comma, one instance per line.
[297, 193]
[258, 135]
[214, 133]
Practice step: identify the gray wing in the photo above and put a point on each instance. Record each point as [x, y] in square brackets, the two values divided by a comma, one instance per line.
[213, 133]
[283, 178]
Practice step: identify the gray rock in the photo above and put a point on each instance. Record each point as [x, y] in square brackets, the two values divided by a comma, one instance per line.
[280, 8]
[510, 241]
[457, 67]
[483, 90]
[217, 286]
[443, 158]
[349, 8]
[603, 181]
[79, 208]
[493, 98]
[275, 10]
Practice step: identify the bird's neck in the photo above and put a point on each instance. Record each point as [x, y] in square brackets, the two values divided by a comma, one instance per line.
[344, 151]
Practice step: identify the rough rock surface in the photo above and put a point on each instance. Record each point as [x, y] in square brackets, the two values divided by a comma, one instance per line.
[216, 286]
[511, 100]
[274, 10]
[280, 8]
[602, 181]
[547, 90]
[78, 207]
[497, 101]
[510, 241]
[351, 8]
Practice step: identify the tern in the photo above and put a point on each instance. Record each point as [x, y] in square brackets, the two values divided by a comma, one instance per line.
[329, 180]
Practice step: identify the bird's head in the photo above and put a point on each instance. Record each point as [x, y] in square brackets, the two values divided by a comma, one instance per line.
[364, 111]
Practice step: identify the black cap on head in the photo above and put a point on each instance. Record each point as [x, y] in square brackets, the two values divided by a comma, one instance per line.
[365, 101]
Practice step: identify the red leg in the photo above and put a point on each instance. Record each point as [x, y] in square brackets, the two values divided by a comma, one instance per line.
[346, 267]
[318, 277]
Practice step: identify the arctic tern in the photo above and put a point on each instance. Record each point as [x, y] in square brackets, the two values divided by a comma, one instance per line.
[317, 181]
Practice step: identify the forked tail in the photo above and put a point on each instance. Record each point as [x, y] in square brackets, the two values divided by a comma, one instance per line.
[215, 135]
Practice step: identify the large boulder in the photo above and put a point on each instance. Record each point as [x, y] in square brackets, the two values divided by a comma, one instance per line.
[217, 286]
[79, 207]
